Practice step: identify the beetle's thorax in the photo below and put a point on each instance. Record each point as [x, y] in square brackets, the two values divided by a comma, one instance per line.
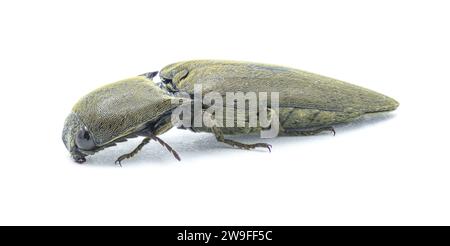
[121, 108]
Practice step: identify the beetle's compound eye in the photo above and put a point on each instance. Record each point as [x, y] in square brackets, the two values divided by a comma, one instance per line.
[84, 140]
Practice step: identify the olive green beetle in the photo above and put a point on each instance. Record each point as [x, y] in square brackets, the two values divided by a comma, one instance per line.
[307, 104]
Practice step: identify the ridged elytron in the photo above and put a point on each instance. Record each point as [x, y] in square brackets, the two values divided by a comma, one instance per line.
[308, 104]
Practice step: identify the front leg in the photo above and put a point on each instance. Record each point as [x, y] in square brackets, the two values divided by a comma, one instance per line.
[146, 140]
[132, 153]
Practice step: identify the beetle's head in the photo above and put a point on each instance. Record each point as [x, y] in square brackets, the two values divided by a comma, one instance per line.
[113, 113]
[77, 138]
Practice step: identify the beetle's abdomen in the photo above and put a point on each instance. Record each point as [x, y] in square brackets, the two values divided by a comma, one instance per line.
[290, 119]
[296, 88]
[295, 118]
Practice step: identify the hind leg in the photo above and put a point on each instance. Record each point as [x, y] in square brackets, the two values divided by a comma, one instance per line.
[221, 138]
[307, 132]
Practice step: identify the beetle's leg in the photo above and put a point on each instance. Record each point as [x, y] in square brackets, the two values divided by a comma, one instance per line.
[306, 132]
[221, 138]
[134, 152]
[145, 141]
[170, 149]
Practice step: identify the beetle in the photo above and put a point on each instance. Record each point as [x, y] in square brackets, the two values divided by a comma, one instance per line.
[308, 104]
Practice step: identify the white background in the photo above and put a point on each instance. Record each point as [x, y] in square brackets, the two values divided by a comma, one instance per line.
[388, 171]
